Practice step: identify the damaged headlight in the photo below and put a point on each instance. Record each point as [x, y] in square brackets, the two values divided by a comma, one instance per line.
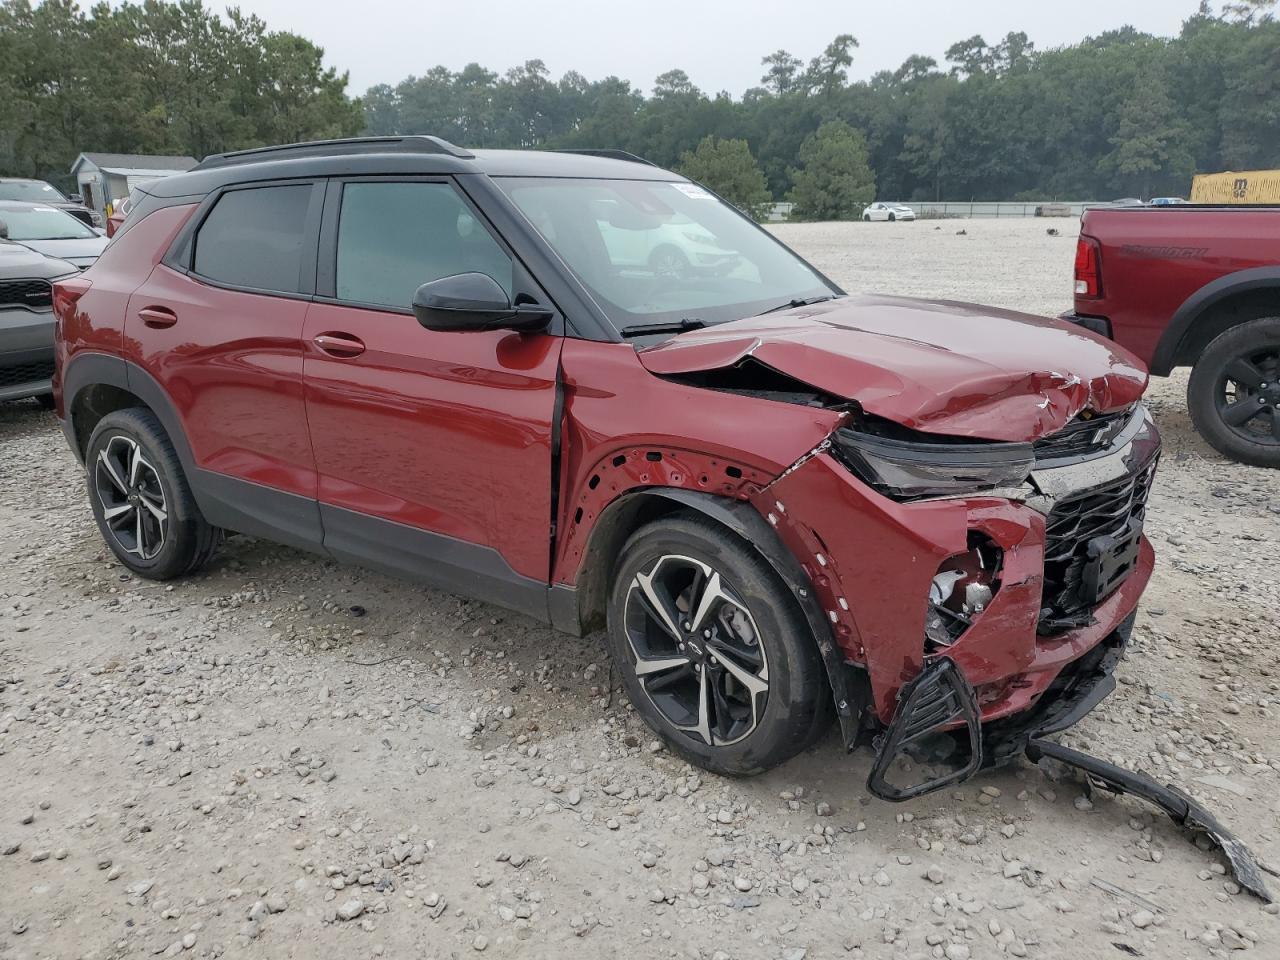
[911, 468]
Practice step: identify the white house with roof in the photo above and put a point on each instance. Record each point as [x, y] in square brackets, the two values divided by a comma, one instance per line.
[106, 178]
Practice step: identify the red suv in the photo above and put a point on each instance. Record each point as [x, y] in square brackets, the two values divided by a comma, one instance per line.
[587, 389]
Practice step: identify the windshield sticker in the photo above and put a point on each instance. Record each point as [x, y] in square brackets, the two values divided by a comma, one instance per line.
[694, 191]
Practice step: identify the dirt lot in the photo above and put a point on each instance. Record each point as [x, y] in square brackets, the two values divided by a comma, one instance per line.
[240, 764]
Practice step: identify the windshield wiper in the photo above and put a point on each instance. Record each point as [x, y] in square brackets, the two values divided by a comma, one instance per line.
[798, 302]
[682, 325]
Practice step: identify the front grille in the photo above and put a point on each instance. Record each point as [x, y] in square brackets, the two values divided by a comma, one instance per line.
[1082, 436]
[1104, 511]
[25, 373]
[36, 294]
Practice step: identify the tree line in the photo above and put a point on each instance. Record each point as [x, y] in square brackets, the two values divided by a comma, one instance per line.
[152, 77]
[1122, 113]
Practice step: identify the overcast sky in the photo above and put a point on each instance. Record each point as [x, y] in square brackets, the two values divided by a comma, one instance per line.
[718, 42]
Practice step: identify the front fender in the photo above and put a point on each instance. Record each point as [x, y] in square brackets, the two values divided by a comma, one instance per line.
[572, 607]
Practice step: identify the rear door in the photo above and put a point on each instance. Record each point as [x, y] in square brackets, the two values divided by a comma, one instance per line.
[218, 324]
[433, 450]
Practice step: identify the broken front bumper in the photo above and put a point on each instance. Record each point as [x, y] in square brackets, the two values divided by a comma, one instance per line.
[937, 736]
[939, 707]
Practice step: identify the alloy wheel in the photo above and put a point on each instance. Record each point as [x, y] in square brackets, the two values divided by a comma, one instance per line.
[132, 497]
[1248, 396]
[669, 263]
[697, 651]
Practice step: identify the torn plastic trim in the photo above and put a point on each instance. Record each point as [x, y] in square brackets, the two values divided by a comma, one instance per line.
[1183, 810]
[938, 699]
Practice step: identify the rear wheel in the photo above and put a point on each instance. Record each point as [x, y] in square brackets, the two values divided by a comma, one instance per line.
[140, 498]
[1234, 393]
[713, 651]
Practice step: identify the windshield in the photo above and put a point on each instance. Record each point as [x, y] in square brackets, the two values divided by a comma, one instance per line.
[33, 190]
[43, 223]
[654, 252]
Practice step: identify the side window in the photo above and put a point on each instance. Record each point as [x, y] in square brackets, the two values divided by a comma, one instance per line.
[394, 237]
[254, 238]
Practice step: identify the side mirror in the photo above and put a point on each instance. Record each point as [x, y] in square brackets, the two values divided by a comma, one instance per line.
[473, 301]
[4, 230]
[76, 198]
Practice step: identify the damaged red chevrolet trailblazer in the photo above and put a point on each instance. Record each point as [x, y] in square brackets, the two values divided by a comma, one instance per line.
[586, 389]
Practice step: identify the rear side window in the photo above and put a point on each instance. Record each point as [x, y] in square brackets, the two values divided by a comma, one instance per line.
[254, 238]
[394, 237]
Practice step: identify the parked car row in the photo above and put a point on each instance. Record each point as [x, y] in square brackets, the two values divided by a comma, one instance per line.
[38, 191]
[39, 243]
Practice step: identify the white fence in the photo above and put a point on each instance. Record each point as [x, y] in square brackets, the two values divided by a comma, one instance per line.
[980, 209]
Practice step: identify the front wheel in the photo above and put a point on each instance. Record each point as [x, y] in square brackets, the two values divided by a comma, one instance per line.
[141, 500]
[892, 217]
[712, 649]
[1234, 393]
[866, 218]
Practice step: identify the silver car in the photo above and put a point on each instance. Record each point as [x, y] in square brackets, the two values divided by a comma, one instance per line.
[48, 230]
[26, 321]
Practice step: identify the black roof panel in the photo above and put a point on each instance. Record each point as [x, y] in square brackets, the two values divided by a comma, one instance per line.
[374, 156]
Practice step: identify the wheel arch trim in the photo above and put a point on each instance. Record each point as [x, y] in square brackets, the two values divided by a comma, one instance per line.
[1199, 303]
[571, 607]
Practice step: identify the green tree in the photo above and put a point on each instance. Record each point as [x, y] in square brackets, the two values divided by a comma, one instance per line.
[782, 73]
[1147, 142]
[727, 167]
[156, 77]
[834, 180]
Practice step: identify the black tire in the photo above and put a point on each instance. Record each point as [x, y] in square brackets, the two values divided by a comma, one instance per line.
[186, 541]
[1234, 393]
[796, 708]
[866, 218]
[892, 218]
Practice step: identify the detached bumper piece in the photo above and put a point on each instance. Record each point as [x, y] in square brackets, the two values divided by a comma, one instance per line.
[925, 747]
[936, 711]
[1181, 808]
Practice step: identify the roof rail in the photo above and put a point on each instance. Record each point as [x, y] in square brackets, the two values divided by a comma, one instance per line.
[329, 148]
[613, 155]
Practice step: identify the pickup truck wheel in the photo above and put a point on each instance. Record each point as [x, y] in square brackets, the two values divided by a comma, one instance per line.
[712, 649]
[141, 500]
[1234, 393]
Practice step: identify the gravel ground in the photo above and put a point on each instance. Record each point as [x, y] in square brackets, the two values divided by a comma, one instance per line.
[283, 757]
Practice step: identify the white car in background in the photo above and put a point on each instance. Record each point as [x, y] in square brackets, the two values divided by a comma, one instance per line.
[888, 211]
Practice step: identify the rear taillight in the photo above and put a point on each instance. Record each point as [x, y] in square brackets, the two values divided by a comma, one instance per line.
[66, 294]
[1088, 268]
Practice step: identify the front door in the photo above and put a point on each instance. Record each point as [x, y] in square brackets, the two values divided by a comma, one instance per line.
[433, 450]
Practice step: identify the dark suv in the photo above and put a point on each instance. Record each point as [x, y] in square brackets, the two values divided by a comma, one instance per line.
[588, 390]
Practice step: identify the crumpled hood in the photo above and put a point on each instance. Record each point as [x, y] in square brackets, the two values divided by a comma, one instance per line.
[937, 366]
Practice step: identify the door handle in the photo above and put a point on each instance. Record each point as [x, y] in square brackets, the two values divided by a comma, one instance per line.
[342, 345]
[158, 317]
